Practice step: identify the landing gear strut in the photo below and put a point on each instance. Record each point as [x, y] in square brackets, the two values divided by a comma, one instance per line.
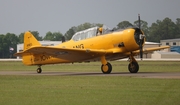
[106, 67]
[133, 65]
[39, 70]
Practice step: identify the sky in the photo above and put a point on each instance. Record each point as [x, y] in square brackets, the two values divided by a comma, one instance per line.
[18, 16]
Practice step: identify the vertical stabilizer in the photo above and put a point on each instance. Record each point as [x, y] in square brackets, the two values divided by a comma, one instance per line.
[30, 40]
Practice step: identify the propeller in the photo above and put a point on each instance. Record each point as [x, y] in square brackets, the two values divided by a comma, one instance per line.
[141, 39]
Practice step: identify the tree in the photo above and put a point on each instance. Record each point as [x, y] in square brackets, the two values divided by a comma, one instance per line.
[177, 28]
[168, 29]
[124, 25]
[36, 35]
[8, 45]
[2, 46]
[49, 36]
[154, 33]
[160, 30]
[21, 38]
[56, 36]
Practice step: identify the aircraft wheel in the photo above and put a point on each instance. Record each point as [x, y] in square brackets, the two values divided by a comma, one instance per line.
[106, 69]
[133, 67]
[39, 70]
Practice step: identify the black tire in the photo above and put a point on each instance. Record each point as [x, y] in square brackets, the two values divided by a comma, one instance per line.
[39, 70]
[106, 69]
[133, 67]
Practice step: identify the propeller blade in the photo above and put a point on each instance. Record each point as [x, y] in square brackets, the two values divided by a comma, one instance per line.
[141, 38]
[139, 21]
[141, 50]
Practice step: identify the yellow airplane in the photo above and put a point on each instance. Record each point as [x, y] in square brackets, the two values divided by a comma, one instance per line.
[93, 44]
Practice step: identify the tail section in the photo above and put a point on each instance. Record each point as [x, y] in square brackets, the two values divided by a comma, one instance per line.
[30, 40]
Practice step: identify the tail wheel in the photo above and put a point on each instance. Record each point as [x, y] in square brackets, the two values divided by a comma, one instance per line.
[39, 70]
[106, 69]
[133, 67]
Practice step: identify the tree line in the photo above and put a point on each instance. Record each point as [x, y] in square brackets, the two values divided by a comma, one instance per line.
[9, 41]
[159, 30]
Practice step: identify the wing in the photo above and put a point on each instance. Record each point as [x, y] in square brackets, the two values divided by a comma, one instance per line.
[72, 54]
[120, 54]
[146, 50]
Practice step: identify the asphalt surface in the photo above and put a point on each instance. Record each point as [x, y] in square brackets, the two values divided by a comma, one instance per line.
[175, 75]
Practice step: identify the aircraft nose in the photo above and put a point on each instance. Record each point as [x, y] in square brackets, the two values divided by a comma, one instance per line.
[139, 36]
[140, 40]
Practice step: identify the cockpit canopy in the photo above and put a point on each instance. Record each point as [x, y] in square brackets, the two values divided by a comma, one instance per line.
[88, 33]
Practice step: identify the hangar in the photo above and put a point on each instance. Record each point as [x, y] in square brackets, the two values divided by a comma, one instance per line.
[173, 52]
[174, 43]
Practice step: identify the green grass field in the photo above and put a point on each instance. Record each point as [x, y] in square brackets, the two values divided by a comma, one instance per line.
[88, 90]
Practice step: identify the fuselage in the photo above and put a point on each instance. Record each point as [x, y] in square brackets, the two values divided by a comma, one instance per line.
[106, 41]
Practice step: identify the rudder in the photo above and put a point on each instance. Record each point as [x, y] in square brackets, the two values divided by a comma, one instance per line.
[30, 40]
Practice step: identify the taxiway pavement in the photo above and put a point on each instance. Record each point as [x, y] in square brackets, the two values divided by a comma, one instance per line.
[139, 74]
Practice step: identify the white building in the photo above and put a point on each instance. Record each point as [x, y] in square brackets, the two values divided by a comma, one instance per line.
[170, 42]
[173, 52]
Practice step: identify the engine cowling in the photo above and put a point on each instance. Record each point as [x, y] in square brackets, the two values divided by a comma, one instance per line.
[133, 39]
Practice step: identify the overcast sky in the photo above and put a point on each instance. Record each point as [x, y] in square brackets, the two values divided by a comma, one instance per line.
[17, 16]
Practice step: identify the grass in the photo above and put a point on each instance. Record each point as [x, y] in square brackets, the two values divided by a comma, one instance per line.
[76, 90]
[88, 90]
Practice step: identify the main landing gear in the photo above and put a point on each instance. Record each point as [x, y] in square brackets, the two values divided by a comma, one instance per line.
[106, 67]
[39, 70]
[133, 65]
